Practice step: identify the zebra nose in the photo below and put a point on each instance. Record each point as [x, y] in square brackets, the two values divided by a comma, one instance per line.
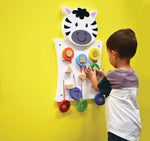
[81, 37]
[85, 33]
[82, 33]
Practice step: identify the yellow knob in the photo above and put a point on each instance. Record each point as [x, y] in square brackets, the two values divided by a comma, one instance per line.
[94, 54]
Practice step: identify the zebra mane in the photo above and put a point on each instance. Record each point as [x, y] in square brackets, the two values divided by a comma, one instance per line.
[81, 13]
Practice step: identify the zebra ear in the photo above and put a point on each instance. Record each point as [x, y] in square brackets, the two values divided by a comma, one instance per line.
[93, 13]
[66, 10]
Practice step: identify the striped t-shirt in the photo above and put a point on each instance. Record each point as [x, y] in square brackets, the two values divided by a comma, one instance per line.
[121, 109]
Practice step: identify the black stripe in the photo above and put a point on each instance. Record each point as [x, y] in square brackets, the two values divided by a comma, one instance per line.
[94, 35]
[66, 27]
[67, 20]
[95, 29]
[93, 23]
[67, 33]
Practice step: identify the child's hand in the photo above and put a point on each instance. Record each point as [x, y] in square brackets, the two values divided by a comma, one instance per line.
[91, 74]
[101, 72]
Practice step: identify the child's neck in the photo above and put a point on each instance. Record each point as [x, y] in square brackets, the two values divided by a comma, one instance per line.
[123, 64]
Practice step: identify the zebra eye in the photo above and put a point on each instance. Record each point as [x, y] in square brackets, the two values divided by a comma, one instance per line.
[86, 25]
[76, 24]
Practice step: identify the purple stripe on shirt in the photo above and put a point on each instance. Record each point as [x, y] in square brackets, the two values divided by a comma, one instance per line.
[120, 78]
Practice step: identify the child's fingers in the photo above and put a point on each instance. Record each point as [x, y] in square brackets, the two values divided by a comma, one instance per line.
[89, 68]
[101, 68]
[95, 69]
[86, 70]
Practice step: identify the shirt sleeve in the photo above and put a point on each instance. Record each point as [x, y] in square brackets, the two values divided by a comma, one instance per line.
[104, 86]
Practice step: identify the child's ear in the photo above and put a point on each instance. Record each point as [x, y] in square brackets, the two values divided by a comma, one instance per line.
[115, 54]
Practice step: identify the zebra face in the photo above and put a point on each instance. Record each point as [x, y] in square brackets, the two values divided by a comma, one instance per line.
[79, 26]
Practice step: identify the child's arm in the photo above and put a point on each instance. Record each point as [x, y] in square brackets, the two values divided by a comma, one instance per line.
[91, 74]
[94, 84]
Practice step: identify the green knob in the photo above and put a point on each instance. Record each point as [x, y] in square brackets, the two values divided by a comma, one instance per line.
[95, 65]
[82, 105]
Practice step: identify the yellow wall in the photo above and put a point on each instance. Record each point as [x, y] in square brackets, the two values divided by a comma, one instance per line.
[28, 68]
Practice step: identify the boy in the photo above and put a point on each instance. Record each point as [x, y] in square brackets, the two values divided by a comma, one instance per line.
[120, 88]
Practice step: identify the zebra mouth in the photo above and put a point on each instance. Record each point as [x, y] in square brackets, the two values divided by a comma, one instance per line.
[81, 40]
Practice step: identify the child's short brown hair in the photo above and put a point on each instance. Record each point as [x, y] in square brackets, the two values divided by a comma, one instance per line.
[124, 42]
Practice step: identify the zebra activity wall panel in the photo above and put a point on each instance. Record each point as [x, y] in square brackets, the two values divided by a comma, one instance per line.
[77, 50]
